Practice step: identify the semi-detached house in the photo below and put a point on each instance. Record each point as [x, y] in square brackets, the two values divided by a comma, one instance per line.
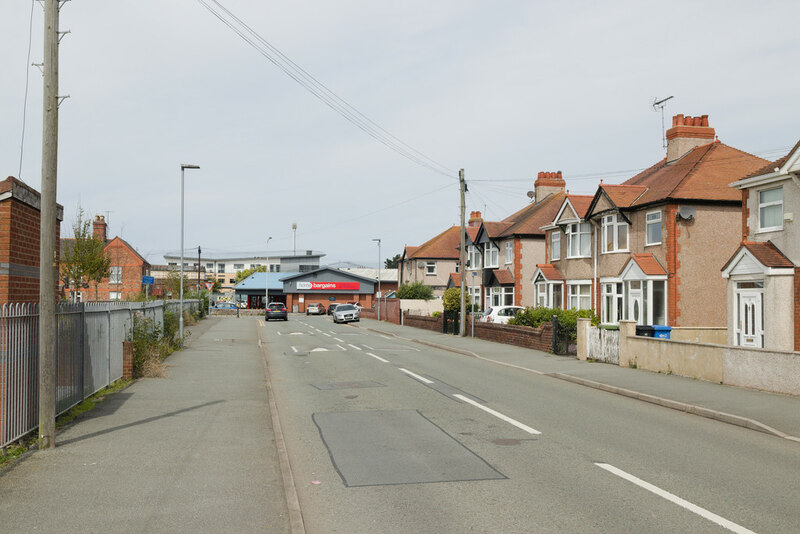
[646, 250]
[763, 275]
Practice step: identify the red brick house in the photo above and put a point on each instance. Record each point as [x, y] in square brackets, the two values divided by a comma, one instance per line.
[127, 268]
[20, 207]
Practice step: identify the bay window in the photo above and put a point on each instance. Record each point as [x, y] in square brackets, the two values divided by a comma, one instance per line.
[491, 255]
[579, 296]
[474, 257]
[579, 240]
[500, 296]
[615, 233]
[612, 310]
[555, 245]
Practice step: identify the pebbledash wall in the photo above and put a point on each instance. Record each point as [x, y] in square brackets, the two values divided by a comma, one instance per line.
[19, 241]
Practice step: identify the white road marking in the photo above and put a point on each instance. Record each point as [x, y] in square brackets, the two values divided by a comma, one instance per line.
[420, 378]
[357, 348]
[326, 334]
[341, 347]
[377, 357]
[294, 348]
[385, 337]
[497, 414]
[702, 512]
[339, 340]
[319, 349]
[260, 322]
[370, 348]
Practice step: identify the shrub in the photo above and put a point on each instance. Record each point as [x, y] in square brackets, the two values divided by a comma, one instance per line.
[567, 319]
[451, 301]
[415, 291]
[436, 314]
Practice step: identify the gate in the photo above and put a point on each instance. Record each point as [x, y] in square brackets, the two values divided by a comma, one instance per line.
[451, 322]
[602, 345]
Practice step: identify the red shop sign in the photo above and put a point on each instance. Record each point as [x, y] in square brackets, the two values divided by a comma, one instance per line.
[328, 286]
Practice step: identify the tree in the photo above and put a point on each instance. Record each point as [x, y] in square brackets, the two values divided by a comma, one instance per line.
[415, 291]
[451, 301]
[172, 283]
[241, 275]
[84, 259]
[392, 263]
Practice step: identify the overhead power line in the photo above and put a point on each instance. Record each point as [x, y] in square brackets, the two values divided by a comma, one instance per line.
[321, 92]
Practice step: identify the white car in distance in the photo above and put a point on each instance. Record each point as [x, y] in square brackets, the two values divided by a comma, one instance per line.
[500, 314]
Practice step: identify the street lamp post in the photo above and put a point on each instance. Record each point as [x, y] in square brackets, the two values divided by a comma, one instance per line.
[184, 166]
[266, 280]
[379, 277]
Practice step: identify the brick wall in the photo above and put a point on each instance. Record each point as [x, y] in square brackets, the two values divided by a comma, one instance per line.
[133, 268]
[745, 214]
[540, 338]
[19, 243]
[673, 280]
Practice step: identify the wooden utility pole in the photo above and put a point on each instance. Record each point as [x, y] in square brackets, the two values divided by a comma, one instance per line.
[198, 270]
[462, 330]
[47, 233]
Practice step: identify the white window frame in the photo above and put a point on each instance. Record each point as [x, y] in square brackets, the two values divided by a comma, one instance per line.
[220, 267]
[541, 294]
[509, 252]
[575, 234]
[555, 245]
[114, 295]
[430, 268]
[773, 203]
[238, 266]
[649, 221]
[575, 296]
[614, 291]
[496, 296]
[474, 257]
[115, 274]
[758, 288]
[491, 256]
[615, 223]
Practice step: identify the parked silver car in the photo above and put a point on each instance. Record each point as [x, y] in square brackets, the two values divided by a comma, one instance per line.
[346, 313]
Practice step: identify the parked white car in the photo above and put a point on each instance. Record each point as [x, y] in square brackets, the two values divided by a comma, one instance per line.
[500, 314]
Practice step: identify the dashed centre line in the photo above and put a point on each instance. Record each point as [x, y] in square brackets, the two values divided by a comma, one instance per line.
[339, 340]
[702, 512]
[497, 414]
[420, 378]
[354, 346]
[377, 357]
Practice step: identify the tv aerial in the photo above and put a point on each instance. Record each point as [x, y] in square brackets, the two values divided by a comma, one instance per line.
[660, 104]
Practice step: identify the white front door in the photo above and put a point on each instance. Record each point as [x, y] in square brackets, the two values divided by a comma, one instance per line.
[751, 331]
[635, 303]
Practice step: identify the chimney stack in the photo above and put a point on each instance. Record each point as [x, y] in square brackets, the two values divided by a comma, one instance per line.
[99, 228]
[548, 183]
[475, 219]
[687, 133]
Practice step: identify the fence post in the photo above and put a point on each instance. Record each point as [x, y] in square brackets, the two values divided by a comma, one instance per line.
[82, 325]
[583, 337]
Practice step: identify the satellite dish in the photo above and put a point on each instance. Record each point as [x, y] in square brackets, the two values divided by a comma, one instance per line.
[686, 213]
[530, 194]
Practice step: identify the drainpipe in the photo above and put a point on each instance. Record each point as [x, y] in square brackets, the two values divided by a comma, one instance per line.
[594, 261]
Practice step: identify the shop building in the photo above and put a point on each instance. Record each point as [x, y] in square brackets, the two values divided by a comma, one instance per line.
[327, 285]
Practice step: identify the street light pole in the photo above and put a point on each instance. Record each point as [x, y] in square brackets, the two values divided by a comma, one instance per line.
[266, 280]
[184, 166]
[379, 277]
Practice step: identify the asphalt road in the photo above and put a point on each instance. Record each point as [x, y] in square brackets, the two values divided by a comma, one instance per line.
[389, 436]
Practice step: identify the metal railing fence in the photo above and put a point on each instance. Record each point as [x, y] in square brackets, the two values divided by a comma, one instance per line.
[88, 343]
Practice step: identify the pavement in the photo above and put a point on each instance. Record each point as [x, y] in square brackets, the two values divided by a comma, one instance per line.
[775, 414]
[197, 451]
[192, 452]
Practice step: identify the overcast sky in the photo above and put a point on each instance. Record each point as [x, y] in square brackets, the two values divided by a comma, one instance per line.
[503, 89]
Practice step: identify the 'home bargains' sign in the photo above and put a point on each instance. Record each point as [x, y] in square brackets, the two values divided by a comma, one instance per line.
[328, 286]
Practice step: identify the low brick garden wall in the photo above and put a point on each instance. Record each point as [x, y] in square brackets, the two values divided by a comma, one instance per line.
[540, 338]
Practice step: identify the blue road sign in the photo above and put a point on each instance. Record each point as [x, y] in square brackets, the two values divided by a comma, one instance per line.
[148, 280]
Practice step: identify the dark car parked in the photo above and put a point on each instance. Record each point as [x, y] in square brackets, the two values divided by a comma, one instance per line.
[331, 307]
[276, 310]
